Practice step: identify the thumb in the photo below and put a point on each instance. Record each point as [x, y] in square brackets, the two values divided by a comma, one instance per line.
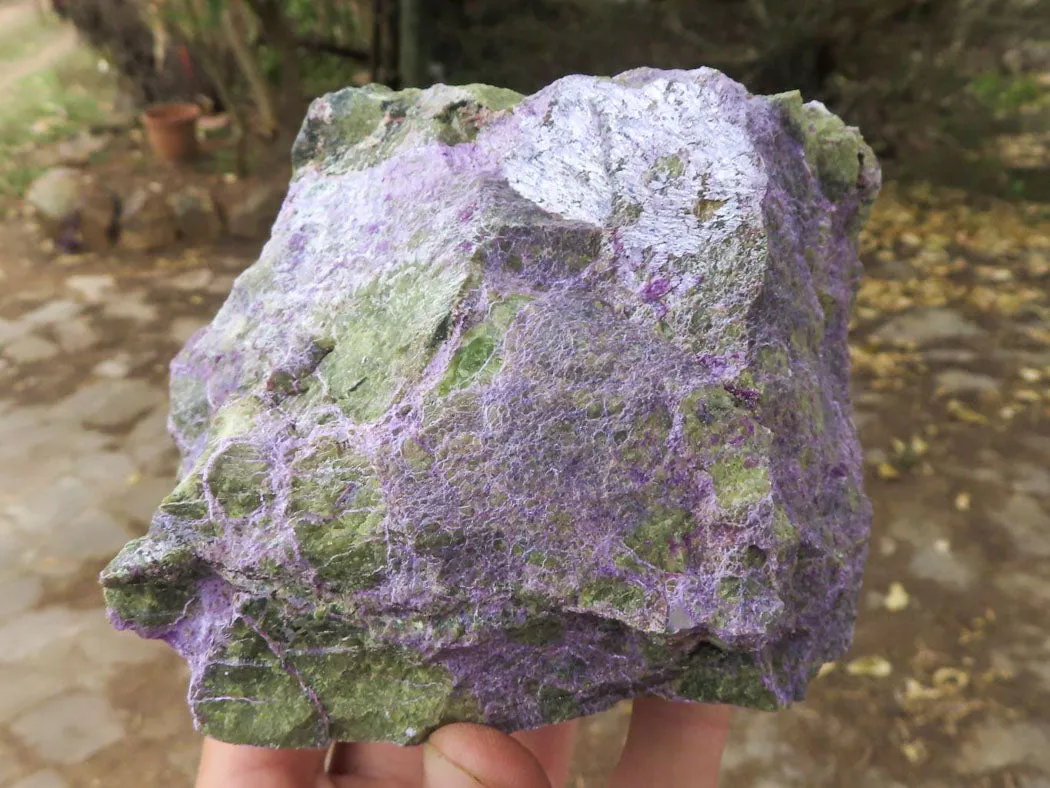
[474, 756]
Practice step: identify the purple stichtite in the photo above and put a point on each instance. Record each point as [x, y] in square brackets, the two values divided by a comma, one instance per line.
[530, 405]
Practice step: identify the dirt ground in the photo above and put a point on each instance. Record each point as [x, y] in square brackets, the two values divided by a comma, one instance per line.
[948, 681]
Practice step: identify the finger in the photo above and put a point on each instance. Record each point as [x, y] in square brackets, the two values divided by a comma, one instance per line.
[238, 766]
[473, 756]
[552, 746]
[675, 745]
[380, 761]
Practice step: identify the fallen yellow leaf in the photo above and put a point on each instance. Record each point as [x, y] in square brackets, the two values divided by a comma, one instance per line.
[897, 598]
[874, 666]
[826, 669]
[965, 414]
[887, 472]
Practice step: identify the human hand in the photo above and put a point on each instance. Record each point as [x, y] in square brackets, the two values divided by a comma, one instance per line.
[671, 745]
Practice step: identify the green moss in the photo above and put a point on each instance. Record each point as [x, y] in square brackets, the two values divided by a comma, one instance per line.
[239, 480]
[386, 339]
[658, 540]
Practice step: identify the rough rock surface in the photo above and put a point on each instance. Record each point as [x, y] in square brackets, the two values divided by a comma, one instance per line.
[251, 215]
[196, 215]
[529, 405]
[146, 221]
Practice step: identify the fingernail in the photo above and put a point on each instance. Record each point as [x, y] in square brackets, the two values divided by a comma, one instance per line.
[440, 772]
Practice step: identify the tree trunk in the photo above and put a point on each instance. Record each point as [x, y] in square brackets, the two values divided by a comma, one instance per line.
[410, 57]
[251, 69]
[277, 30]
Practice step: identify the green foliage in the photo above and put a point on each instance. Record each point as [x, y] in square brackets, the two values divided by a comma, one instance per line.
[1005, 93]
[913, 75]
[48, 106]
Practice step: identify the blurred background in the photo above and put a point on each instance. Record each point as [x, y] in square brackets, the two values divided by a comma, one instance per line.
[144, 153]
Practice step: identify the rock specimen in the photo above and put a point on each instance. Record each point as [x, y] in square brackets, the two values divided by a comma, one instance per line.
[196, 215]
[528, 406]
[147, 222]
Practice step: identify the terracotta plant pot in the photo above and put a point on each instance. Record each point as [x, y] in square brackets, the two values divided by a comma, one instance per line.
[172, 130]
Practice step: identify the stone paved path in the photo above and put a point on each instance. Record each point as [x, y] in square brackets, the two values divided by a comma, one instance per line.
[948, 683]
[84, 459]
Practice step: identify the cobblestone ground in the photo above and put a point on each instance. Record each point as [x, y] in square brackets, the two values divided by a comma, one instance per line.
[948, 683]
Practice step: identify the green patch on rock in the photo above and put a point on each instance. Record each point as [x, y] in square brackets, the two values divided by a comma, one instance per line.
[342, 118]
[416, 455]
[357, 128]
[740, 481]
[341, 535]
[557, 705]
[658, 539]
[147, 605]
[705, 411]
[477, 360]
[492, 97]
[610, 592]
[190, 411]
[187, 500]
[833, 149]
[460, 121]
[538, 632]
[256, 704]
[148, 584]
[716, 676]
[645, 441]
[385, 340]
[377, 693]
[705, 209]
[625, 212]
[238, 478]
[666, 168]
[322, 475]
[236, 417]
